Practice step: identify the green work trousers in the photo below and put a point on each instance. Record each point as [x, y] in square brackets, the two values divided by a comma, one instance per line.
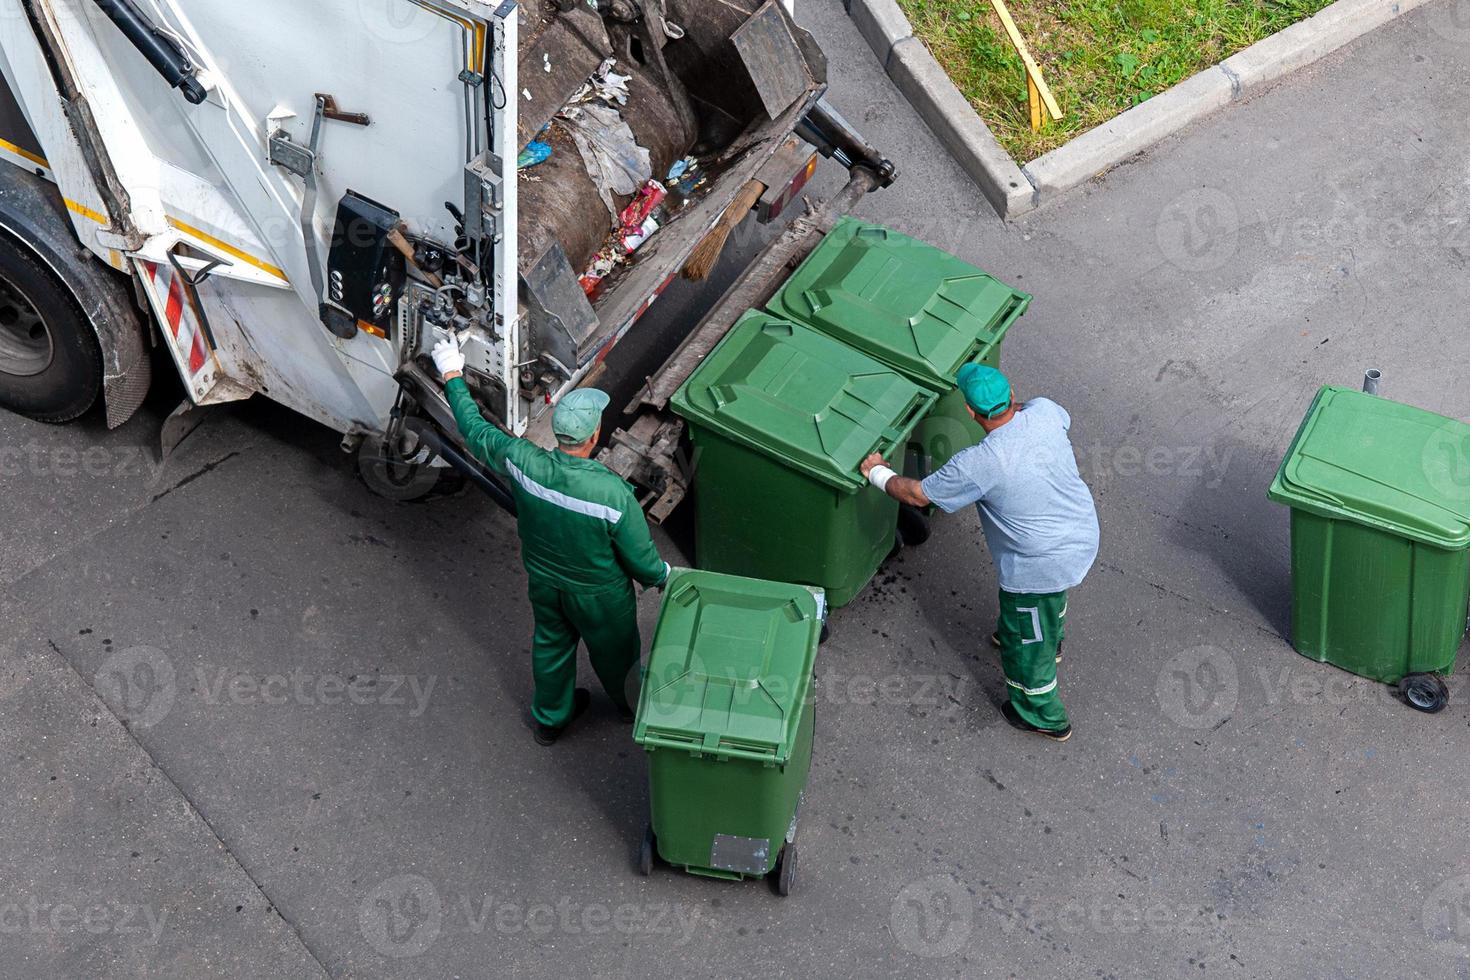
[1030, 628]
[607, 621]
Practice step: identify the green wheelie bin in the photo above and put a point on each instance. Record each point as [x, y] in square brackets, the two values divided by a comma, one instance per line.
[726, 720]
[1380, 539]
[780, 415]
[916, 308]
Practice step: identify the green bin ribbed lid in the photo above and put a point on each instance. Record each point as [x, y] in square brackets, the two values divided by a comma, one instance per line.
[730, 667]
[802, 397]
[909, 304]
[1378, 462]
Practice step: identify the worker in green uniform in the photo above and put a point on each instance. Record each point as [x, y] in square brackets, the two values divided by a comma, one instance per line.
[584, 541]
[1040, 525]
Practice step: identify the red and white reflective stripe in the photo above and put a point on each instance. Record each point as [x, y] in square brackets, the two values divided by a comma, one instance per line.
[188, 338]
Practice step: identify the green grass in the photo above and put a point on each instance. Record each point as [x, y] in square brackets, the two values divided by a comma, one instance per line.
[1100, 57]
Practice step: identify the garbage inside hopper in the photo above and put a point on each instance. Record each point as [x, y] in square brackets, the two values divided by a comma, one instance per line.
[636, 223]
[614, 160]
[616, 129]
[534, 153]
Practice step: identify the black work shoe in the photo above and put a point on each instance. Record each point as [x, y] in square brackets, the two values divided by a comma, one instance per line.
[547, 735]
[1021, 724]
[995, 642]
[625, 714]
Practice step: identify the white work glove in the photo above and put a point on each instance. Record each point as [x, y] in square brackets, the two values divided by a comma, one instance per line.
[448, 358]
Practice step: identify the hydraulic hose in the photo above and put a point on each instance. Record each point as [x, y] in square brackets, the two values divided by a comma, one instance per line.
[466, 464]
[162, 51]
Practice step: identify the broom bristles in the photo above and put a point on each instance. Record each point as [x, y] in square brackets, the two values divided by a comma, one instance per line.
[706, 254]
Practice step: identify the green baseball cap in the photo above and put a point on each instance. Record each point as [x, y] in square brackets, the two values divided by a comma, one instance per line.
[986, 390]
[578, 415]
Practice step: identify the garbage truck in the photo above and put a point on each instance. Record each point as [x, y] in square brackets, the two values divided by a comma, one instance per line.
[293, 200]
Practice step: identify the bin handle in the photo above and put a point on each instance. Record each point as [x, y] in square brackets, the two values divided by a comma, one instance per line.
[1014, 307]
[889, 438]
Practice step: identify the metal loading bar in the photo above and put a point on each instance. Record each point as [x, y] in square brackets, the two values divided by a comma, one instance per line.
[754, 286]
[648, 454]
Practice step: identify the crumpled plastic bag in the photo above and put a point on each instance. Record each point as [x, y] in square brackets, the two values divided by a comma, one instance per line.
[605, 84]
[610, 151]
[536, 152]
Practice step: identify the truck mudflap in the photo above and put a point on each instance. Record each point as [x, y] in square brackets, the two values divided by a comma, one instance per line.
[649, 453]
[173, 296]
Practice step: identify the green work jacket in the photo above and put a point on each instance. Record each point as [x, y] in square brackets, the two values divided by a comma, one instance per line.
[580, 525]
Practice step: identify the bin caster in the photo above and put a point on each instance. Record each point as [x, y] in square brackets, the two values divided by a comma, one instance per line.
[786, 871]
[913, 525]
[646, 851]
[1425, 692]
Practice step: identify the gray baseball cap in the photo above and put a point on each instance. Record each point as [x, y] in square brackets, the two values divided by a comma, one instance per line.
[579, 415]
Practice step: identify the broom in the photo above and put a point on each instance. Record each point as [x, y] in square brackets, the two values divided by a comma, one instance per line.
[702, 261]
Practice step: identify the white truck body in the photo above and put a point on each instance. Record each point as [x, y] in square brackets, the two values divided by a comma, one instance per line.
[198, 185]
[219, 154]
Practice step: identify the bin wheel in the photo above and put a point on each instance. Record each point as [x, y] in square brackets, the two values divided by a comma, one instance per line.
[826, 633]
[786, 871]
[913, 525]
[646, 852]
[1425, 692]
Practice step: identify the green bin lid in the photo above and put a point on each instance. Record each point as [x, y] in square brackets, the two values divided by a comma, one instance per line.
[802, 397]
[730, 667]
[1381, 463]
[905, 302]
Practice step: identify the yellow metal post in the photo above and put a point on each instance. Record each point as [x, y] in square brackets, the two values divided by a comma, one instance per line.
[1038, 94]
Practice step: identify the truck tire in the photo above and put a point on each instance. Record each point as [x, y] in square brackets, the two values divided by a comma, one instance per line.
[392, 475]
[50, 363]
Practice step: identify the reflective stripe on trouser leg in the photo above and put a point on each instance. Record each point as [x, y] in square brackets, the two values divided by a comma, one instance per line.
[1030, 627]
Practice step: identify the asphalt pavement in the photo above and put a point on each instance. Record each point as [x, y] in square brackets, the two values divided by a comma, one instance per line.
[261, 723]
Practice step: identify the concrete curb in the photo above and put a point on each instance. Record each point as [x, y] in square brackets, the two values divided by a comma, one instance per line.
[881, 23]
[1109, 144]
[1013, 190]
[1305, 42]
[926, 86]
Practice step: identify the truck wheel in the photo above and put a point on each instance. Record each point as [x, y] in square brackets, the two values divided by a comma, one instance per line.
[50, 363]
[1425, 692]
[397, 472]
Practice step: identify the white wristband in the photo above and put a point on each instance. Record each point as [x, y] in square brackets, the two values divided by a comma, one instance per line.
[879, 476]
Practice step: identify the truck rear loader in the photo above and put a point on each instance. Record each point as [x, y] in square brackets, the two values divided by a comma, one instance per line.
[295, 199]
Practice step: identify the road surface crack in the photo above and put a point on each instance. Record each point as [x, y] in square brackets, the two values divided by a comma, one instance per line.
[206, 468]
[189, 801]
